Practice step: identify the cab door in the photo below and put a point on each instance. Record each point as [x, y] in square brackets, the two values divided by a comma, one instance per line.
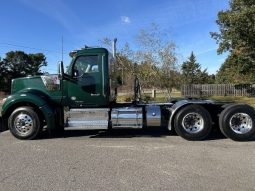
[86, 87]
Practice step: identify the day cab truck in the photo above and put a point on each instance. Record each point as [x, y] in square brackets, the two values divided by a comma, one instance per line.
[84, 97]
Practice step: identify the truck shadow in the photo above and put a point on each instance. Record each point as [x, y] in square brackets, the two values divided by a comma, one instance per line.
[124, 133]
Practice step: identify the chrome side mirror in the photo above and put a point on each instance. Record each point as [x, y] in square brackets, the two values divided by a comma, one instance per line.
[61, 69]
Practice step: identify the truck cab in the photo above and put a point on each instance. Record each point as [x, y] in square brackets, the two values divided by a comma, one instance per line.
[87, 82]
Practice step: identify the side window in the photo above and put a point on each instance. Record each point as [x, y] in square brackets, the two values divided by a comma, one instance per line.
[85, 64]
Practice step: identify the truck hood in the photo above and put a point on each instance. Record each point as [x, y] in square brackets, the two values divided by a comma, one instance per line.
[46, 84]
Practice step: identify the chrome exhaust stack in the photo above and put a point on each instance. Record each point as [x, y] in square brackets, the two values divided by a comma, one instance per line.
[114, 47]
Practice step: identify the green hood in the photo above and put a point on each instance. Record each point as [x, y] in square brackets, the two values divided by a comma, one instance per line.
[49, 85]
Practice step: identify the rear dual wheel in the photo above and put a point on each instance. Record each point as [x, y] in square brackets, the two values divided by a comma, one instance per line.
[193, 122]
[237, 122]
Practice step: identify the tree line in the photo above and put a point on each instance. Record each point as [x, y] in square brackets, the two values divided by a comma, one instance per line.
[158, 66]
[19, 64]
[155, 63]
[154, 59]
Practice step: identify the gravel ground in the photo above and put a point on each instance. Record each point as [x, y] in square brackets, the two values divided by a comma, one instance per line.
[125, 160]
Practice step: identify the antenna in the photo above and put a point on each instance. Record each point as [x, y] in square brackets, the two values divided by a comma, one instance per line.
[62, 42]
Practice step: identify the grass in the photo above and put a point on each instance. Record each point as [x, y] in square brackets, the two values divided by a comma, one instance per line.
[160, 97]
[239, 99]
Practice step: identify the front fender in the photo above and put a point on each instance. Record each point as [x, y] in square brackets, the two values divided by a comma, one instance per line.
[15, 100]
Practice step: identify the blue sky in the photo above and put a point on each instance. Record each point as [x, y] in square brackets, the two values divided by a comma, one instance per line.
[38, 26]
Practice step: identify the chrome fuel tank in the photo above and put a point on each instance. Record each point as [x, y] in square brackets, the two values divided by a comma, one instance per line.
[153, 116]
[131, 117]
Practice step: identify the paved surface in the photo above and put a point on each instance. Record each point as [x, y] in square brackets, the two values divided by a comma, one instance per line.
[125, 160]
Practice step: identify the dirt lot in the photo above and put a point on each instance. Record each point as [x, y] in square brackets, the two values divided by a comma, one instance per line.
[125, 160]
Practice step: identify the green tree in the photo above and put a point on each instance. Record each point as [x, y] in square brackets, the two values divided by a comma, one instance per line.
[192, 73]
[148, 73]
[19, 64]
[206, 78]
[3, 77]
[232, 71]
[237, 36]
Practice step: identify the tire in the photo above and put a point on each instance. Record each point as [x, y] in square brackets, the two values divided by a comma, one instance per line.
[237, 122]
[24, 123]
[193, 122]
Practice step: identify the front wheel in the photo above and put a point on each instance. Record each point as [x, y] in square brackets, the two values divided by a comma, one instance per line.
[237, 122]
[193, 122]
[24, 123]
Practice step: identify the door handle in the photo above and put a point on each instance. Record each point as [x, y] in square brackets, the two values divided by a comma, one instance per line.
[95, 94]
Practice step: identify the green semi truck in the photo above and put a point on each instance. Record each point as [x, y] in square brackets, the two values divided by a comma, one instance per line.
[84, 97]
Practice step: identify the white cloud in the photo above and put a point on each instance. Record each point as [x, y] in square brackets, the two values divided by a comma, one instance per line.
[125, 19]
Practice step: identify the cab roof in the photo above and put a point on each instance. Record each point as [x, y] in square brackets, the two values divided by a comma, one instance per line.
[92, 50]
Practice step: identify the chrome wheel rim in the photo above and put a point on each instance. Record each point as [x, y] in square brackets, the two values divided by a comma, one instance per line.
[240, 123]
[193, 122]
[23, 124]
